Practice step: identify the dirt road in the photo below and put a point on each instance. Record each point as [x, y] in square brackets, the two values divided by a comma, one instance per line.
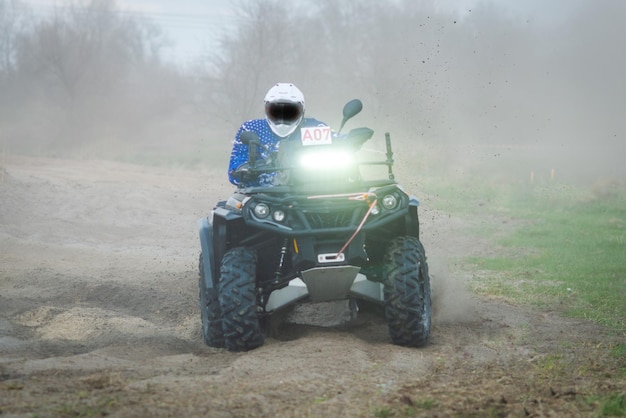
[98, 316]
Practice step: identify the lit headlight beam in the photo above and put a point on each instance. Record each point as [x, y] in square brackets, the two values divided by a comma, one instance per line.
[316, 160]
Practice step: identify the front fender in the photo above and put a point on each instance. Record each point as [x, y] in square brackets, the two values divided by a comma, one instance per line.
[205, 230]
[412, 219]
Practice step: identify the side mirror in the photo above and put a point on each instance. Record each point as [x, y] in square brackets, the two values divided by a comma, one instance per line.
[352, 108]
[251, 139]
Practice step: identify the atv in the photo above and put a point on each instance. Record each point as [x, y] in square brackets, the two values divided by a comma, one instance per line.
[321, 232]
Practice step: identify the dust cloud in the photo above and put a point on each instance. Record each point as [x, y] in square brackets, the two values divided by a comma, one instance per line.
[488, 89]
[452, 300]
[478, 94]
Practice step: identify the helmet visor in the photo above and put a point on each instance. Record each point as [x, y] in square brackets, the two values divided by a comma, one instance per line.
[283, 113]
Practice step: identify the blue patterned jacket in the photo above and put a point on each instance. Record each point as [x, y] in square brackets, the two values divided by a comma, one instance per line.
[239, 154]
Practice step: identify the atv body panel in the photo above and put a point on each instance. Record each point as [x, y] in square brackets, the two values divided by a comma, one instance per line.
[329, 236]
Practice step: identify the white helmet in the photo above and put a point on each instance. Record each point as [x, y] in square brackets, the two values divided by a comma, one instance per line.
[284, 108]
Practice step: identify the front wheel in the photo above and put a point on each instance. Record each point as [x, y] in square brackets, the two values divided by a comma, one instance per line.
[407, 292]
[210, 312]
[237, 298]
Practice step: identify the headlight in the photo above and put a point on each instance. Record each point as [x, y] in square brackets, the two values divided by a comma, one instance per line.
[323, 160]
[279, 216]
[375, 210]
[261, 210]
[390, 202]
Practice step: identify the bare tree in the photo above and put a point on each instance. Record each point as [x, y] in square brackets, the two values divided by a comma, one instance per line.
[259, 53]
[87, 61]
[77, 47]
[14, 20]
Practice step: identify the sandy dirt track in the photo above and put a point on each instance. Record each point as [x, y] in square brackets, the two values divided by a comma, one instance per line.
[99, 316]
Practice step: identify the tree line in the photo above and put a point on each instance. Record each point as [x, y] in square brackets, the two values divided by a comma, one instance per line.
[89, 79]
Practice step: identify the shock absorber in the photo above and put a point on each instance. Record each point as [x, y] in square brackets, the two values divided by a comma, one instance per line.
[281, 260]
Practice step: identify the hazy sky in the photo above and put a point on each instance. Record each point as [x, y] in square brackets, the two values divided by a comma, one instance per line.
[194, 25]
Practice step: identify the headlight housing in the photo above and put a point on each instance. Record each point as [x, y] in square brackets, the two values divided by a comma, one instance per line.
[390, 201]
[279, 215]
[261, 210]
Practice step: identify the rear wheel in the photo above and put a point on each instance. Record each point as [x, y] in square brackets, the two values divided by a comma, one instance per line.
[237, 298]
[210, 312]
[407, 292]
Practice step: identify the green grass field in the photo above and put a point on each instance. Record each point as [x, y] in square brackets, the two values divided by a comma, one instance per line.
[567, 250]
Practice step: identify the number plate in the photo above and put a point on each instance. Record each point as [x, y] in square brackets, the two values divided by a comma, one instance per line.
[331, 258]
[316, 135]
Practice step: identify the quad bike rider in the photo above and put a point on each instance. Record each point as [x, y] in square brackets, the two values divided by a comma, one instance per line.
[305, 224]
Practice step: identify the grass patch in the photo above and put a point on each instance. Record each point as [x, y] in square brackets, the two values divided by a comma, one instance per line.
[383, 412]
[87, 408]
[613, 405]
[407, 408]
[619, 352]
[568, 251]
